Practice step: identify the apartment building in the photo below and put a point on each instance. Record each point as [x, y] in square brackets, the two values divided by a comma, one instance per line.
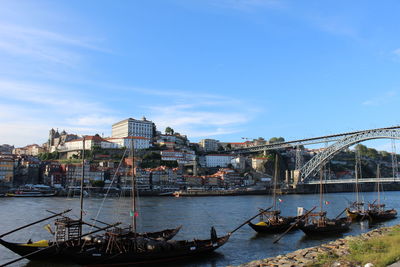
[209, 144]
[6, 170]
[132, 127]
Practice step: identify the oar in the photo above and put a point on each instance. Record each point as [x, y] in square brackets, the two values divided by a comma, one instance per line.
[340, 213]
[294, 224]
[100, 221]
[30, 224]
[76, 238]
[246, 222]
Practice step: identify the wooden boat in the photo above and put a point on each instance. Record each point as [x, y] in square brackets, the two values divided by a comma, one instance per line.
[59, 250]
[117, 248]
[317, 224]
[356, 210]
[271, 221]
[29, 194]
[377, 212]
[30, 190]
[274, 223]
[69, 237]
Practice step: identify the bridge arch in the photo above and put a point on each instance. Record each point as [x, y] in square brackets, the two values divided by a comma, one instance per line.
[315, 164]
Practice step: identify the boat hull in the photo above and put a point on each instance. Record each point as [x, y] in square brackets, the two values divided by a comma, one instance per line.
[38, 253]
[274, 228]
[174, 251]
[341, 226]
[61, 251]
[356, 216]
[382, 215]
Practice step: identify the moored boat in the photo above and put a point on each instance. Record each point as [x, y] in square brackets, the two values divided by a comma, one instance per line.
[318, 224]
[274, 223]
[29, 194]
[118, 248]
[69, 237]
[377, 212]
[356, 211]
[271, 221]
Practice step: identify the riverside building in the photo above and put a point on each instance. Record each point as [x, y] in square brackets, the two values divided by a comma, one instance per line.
[132, 127]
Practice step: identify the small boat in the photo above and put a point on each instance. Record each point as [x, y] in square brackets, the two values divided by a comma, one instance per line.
[118, 248]
[317, 224]
[69, 237]
[356, 210]
[29, 194]
[271, 221]
[57, 250]
[30, 190]
[274, 223]
[377, 212]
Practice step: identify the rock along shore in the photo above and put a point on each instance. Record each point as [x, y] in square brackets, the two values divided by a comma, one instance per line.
[307, 256]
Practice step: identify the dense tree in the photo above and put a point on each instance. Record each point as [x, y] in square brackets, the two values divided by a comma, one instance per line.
[276, 140]
[169, 130]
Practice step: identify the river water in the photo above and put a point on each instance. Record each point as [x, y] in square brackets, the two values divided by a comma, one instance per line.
[196, 214]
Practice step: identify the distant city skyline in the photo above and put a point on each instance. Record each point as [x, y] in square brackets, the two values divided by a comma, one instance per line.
[222, 69]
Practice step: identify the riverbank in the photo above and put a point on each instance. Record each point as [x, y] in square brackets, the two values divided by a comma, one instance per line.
[379, 247]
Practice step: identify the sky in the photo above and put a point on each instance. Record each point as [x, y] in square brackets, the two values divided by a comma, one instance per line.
[221, 69]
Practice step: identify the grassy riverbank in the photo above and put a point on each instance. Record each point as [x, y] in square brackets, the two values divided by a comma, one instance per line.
[379, 250]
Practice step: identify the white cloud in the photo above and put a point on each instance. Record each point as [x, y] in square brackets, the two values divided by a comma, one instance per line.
[93, 120]
[42, 45]
[381, 99]
[397, 52]
[194, 122]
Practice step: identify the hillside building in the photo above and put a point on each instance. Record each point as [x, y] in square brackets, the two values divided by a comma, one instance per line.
[132, 127]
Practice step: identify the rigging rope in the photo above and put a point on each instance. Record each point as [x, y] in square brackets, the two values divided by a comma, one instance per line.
[108, 189]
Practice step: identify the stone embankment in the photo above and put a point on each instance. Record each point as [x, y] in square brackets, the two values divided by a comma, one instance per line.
[308, 256]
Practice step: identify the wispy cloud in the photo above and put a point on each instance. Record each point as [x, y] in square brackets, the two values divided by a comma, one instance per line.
[381, 99]
[197, 120]
[248, 5]
[93, 120]
[43, 45]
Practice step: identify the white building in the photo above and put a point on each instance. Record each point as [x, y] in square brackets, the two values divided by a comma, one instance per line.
[138, 142]
[182, 157]
[239, 163]
[218, 160]
[132, 127]
[209, 144]
[90, 142]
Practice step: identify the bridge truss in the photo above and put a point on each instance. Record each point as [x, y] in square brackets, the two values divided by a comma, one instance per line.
[319, 160]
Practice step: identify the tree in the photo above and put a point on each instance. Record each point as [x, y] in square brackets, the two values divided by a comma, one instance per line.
[276, 140]
[169, 130]
[361, 149]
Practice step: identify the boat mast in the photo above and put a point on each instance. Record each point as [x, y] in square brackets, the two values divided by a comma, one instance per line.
[378, 175]
[320, 188]
[356, 169]
[82, 178]
[275, 178]
[133, 185]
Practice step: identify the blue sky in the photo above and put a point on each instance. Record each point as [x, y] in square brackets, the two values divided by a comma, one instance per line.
[221, 69]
